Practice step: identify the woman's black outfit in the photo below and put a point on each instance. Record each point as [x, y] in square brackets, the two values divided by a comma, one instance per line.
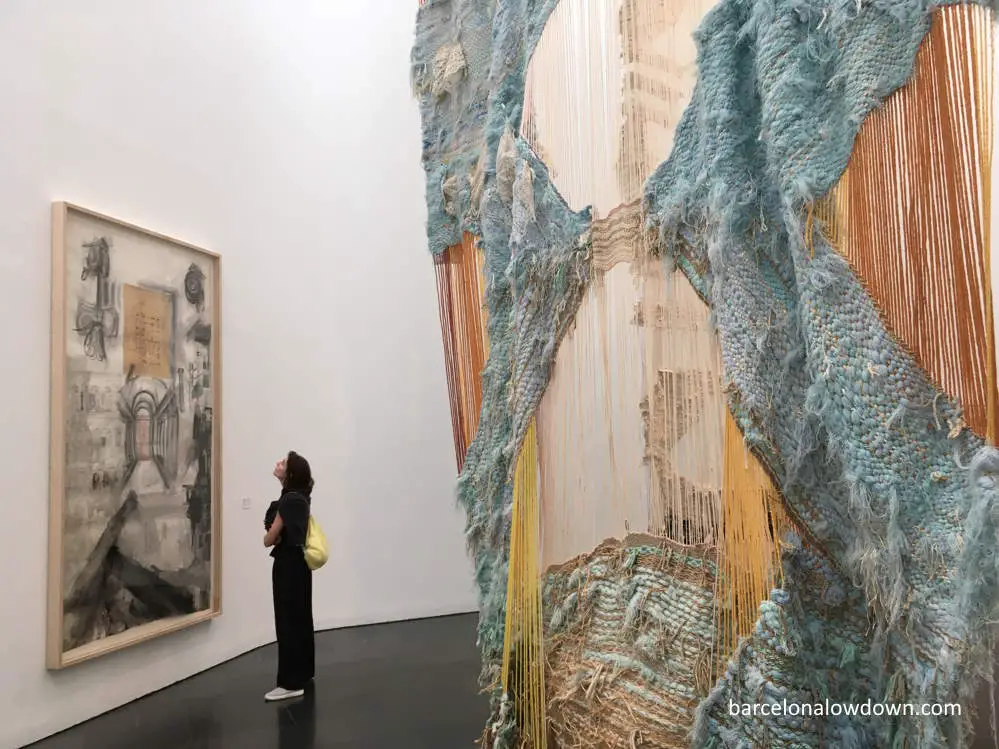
[292, 582]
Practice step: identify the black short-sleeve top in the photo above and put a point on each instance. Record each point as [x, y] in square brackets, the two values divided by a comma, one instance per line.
[294, 509]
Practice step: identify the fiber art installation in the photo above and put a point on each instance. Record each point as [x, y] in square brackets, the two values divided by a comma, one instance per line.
[715, 292]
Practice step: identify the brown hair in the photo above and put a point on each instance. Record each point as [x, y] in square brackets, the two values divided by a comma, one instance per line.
[298, 474]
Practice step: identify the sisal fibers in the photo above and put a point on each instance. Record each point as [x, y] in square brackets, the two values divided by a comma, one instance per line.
[750, 555]
[606, 87]
[618, 238]
[523, 654]
[912, 212]
[632, 428]
[460, 292]
[572, 105]
[659, 65]
[683, 408]
[760, 148]
[629, 644]
[594, 485]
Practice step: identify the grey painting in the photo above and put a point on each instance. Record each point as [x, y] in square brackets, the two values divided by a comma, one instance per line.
[138, 482]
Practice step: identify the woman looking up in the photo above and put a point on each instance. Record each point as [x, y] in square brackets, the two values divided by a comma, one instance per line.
[287, 524]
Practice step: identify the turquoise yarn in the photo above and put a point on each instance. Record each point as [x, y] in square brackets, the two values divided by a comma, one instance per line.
[537, 257]
[902, 516]
[852, 427]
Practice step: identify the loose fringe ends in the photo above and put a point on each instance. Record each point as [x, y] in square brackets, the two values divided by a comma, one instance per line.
[911, 214]
[523, 652]
[590, 442]
[501, 732]
[731, 187]
[631, 426]
[628, 643]
[683, 408]
[606, 88]
[912, 211]
[460, 295]
[533, 292]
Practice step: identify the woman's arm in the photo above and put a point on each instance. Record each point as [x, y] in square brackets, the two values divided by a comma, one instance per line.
[269, 515]
[274, 534]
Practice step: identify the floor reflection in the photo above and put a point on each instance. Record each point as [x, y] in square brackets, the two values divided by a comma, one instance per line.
[297, 721]
[409, 684]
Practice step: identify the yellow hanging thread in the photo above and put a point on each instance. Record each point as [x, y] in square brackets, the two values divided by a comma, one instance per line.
[523, 646]
[753, 523]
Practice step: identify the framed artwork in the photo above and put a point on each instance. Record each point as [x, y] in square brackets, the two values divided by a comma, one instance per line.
[135, 511]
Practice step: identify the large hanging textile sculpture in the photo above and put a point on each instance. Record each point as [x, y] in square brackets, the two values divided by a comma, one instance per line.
[715, 294]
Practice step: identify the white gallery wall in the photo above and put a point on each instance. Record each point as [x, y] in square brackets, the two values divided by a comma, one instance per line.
[282, 135]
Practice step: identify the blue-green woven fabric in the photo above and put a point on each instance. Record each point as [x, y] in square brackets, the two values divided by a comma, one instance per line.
[537, 255]
[891, 597]
[633, 621]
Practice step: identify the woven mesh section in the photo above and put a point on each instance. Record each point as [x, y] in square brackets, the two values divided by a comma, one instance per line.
[628, 646]
[845, 419]
[843, 415]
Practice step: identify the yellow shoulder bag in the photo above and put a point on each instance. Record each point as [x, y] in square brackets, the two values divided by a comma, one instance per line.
[317, 551]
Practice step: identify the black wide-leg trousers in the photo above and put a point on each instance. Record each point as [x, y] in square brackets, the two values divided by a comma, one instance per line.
[292, 582]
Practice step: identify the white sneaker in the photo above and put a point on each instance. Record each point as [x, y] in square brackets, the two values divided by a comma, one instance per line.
[283, 694]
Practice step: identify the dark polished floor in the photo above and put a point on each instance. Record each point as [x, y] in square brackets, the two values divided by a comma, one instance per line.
[410, 685]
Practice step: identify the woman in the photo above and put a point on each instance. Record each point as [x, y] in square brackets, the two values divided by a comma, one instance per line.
[287, 523]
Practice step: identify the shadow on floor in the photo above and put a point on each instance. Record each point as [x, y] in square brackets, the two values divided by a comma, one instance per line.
[411, 685]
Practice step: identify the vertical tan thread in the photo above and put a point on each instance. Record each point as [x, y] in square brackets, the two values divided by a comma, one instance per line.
[641, 338]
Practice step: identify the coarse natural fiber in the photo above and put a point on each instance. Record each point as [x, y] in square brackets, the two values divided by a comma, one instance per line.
[628, 643]
[892, 597]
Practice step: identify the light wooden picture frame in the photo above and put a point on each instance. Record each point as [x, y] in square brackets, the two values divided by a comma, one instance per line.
[135, 542]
